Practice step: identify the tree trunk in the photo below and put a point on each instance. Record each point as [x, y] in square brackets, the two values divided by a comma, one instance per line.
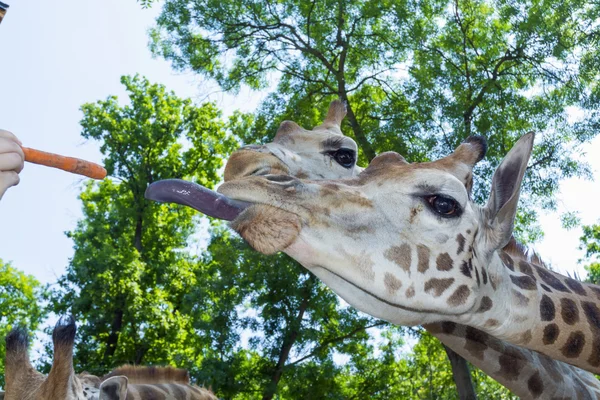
[113, 337]
[287, 345]
[462, 375]
[137, 239]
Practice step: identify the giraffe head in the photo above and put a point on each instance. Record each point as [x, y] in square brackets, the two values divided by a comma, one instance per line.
[321, 153]
[401, 241]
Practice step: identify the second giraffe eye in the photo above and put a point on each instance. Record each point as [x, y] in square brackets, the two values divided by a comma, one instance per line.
[444, 206]
[345, 157]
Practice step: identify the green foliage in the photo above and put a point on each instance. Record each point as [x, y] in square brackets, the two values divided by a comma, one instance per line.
[418, 76]
[129, 275]
[590, 242]
[20, 304]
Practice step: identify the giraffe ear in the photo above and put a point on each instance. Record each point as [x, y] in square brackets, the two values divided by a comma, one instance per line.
[501, 208]
[114, 388]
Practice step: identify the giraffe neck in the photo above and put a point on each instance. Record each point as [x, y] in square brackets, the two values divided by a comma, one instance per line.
[526, 373]
[530, 306]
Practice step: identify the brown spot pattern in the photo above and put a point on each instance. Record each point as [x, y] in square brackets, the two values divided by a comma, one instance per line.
[594, 358]
[511, 363]
[438, 285]
[507, 261]
[410, 292]
[464, 268]
[524, 282]
[522, 301]
[392, 284]
[525, 268]
[444, 262]
[569, 311]
[460, 239]
[575, 286]
[550, 334]
[476, 342]
[460, 296]
[547, 309]
[401, 255]
[448, 327]
[526, 337]
[574, 345]
[535, 385]
[596, 290]
[592, 314]
[551, 280]
[423, 255]
[546, 288]
[486, 304]
[492, 322]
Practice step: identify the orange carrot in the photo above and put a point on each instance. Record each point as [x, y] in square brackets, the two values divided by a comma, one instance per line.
[70, 164]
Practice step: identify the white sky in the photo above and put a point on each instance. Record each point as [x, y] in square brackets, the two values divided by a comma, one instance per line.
[55, 56]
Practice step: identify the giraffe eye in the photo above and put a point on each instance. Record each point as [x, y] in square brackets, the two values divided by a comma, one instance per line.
[345, 157]
[444, 206]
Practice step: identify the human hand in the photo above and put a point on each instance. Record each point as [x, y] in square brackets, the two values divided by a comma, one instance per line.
[12, 160]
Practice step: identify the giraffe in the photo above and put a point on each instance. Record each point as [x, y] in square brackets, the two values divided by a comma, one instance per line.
[404, 242]
[23, 382]
[492, 354]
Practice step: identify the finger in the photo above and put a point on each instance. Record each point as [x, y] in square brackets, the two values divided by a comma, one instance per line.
[11, 162]
[7, 145]
[8, 179]
[9, 135]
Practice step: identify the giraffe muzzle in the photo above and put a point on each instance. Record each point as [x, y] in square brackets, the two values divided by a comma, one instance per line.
[197, 197]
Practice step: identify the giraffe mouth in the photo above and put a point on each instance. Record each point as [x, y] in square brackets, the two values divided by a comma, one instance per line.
[198, 197]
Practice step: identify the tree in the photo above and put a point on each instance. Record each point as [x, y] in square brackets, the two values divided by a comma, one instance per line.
[20, 304]
[590, 242]
[418, 77]
[129, 275]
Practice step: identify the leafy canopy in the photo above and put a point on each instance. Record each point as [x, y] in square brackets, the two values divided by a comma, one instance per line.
[20, 304]
[129, 275]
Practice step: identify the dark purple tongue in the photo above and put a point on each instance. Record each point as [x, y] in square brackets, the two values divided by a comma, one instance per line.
[198, 197]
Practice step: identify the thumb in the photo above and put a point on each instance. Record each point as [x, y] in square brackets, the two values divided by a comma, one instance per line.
[8, 179]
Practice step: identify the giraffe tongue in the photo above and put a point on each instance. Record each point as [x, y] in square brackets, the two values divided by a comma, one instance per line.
[198, 197]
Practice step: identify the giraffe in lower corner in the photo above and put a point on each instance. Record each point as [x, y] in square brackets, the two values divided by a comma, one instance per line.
[404, 242]
[299, 150]
[23, 382]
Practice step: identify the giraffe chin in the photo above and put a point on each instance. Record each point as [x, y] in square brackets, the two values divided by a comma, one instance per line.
[266, 228]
